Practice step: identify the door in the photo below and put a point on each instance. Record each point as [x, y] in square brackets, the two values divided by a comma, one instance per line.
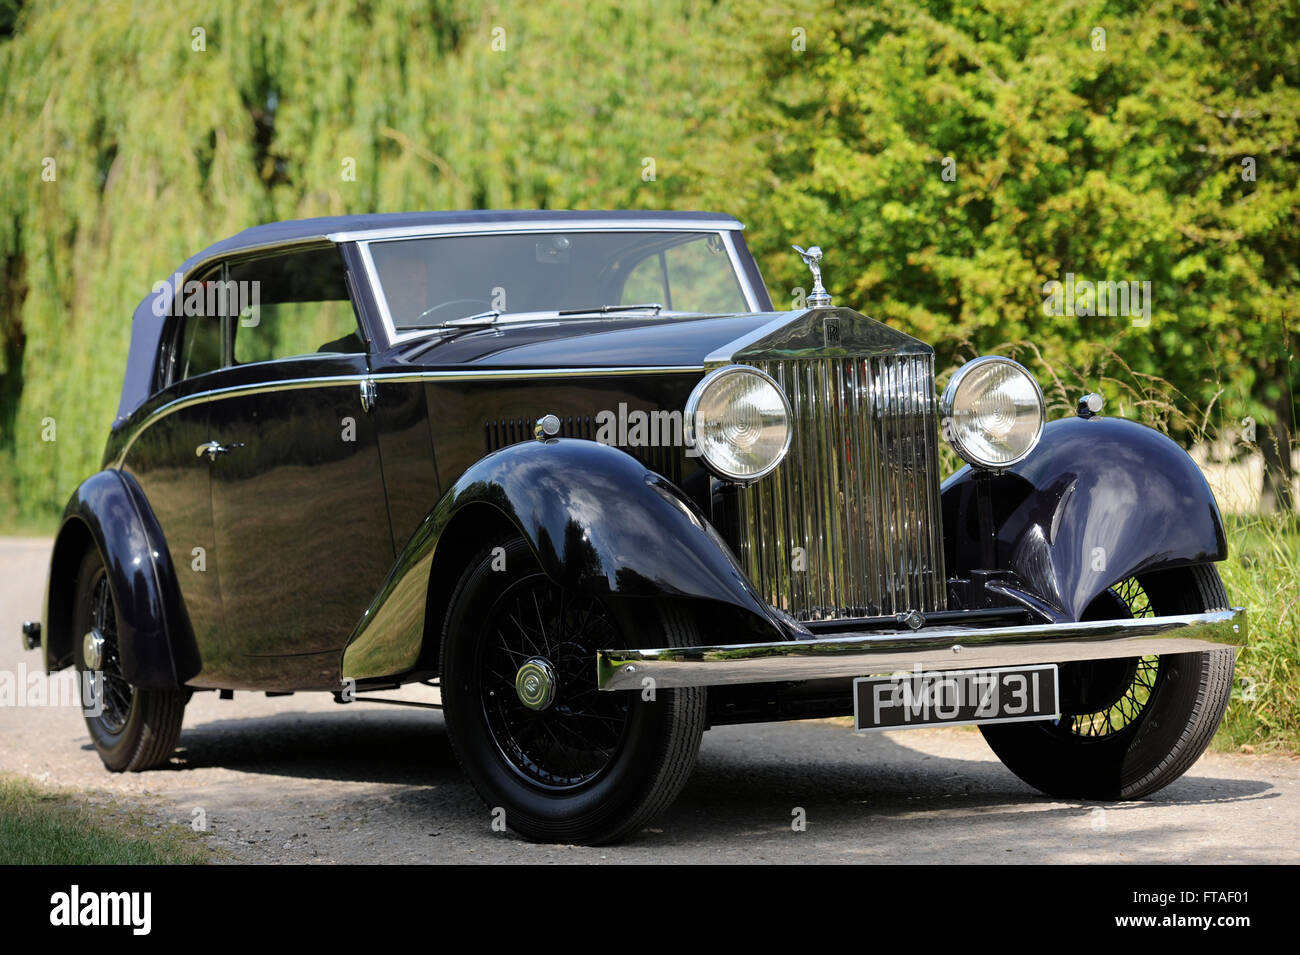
[299, 514]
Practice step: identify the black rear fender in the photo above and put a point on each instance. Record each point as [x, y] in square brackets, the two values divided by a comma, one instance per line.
[109, 512]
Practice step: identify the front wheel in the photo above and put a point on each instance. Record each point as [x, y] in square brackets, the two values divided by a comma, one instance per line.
[133, 729]
[1128, 727]
[565, 761]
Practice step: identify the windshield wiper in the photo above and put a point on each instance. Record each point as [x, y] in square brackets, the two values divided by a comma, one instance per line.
[480, 318]
[460, 326]
[606, 309]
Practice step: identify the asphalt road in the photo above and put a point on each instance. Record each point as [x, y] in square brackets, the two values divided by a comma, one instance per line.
[302, 779]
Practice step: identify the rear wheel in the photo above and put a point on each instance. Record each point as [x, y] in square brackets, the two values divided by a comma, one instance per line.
[1128, 727]
[565, 761]
[133, 729]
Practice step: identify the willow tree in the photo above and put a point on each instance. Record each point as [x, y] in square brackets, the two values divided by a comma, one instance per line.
[134, 136]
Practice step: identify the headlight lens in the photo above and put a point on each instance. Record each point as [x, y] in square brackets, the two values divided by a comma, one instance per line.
[738, 421]
[992, 412]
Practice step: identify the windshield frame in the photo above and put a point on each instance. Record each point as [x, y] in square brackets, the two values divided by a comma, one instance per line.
[726, 232]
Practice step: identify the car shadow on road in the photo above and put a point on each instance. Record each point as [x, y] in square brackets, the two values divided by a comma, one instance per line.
[744, 776]
[893, 782]
[408, 746]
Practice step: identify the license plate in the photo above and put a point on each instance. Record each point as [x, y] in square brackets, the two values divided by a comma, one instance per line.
[956, 697]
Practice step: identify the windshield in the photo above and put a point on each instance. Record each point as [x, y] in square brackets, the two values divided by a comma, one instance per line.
[433, 281]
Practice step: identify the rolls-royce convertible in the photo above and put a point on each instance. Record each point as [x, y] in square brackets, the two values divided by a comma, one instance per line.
[575, 470]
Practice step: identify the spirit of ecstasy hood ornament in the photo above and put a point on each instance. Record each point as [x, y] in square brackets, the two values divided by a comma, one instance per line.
[812, 257]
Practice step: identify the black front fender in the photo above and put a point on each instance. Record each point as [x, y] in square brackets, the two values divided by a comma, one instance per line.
[597, 521]
[109, 511]
[1098, 501]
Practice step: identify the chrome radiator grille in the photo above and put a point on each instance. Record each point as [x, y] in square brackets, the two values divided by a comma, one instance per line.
[848, 525]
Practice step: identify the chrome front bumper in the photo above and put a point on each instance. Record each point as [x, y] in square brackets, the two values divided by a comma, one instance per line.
[937, 648]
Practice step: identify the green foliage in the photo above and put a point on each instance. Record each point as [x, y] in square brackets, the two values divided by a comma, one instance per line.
[1262, 573]
[1115, 164]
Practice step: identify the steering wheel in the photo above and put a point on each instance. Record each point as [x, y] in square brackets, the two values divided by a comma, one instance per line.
[428, 312]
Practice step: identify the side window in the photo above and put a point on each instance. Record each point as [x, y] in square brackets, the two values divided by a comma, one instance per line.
[193, 343]
[298, 305]
[199, 350]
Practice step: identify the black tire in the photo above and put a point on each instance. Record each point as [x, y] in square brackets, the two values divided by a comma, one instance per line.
[590, 767]
[133, 729]
[1128, 727]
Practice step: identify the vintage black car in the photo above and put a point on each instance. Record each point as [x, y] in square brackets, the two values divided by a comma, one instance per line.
[577, 470]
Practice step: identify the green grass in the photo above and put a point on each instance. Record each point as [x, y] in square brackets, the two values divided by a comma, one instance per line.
[40, 825]
[1262, 574]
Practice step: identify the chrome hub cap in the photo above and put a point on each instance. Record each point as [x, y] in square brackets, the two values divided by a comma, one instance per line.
[92, 649]
[536, 684]
[105, 695]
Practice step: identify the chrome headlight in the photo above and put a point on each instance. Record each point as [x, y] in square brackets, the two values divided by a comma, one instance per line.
[992, 412]
[738, 421]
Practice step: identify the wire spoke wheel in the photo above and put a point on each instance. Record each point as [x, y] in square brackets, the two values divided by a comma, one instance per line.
[546, 717]
[104, 690]
[1125, 710]
[1118, 689]
[1128, 726]
[563, 760]
[132, 728]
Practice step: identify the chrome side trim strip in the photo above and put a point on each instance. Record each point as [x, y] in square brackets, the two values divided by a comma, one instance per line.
[938, 648]
[541, 372]
[339, 381]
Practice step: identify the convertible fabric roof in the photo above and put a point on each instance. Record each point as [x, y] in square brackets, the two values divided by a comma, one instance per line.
[146, 326]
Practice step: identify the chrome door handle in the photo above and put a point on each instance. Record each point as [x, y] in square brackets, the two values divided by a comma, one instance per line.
[213, 448]
[369, 396]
